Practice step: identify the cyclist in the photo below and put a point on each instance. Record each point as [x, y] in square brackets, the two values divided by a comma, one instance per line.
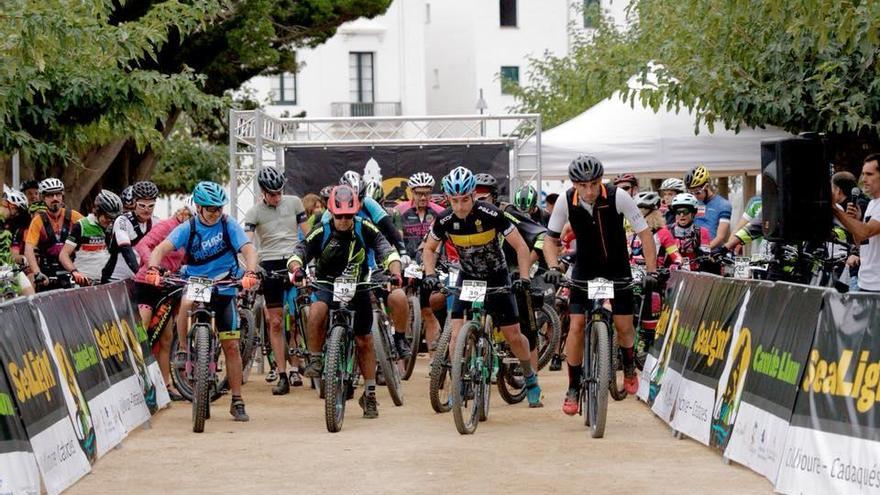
[474, 228]
[22, 284]
[376, 214]
[684, 240]
[274, 221]
[715, 211]
[627, 182]
[88, 240]
[649, 206]
[668, 189]
[31, 189]
[211, 243]
[526, 201]
[127, 197]
[147, 296]
[128, 230]
[339, 246]
[17, 222]
[48, 232]
[596, 213]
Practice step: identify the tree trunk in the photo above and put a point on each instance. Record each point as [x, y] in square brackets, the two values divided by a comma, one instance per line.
[144, 168]
[79, 181]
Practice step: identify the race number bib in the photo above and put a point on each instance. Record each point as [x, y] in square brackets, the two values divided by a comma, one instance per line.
[741, 268]
[600, 289]
[473, 290]
[413, 271]
[199, 289]
[344, 289]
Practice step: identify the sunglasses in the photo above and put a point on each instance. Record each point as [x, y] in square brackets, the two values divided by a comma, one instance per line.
[343, 217]
[146, 206]
[699, 190]
[421, 193]
[683, 212]
[625, 188]
[212, 209]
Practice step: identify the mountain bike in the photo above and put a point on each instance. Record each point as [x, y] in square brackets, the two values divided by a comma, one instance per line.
[440, 367]
[412, 281]
[383, 343]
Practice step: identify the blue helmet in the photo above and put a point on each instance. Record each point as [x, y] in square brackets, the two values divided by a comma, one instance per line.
[209, 194]
[460, 181]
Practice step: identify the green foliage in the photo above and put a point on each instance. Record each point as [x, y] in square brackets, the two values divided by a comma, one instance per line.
[186, 160]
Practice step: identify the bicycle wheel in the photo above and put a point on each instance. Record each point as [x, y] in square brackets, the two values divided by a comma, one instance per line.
[185, 385]
[439, 392]
[598, 348]
[385, 358]
[413, 336]
[202, 380]
[615, 379]
[335, 379]
[549, 332]
[511, 384]
[247, 343]
[486, 355]
[466, 380]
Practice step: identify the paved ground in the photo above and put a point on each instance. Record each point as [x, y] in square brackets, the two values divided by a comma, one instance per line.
[410, 449]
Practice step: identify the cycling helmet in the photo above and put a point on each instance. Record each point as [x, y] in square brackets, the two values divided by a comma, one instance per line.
[630, 178]
[325, 193]
[30, 184]
[486, 180]
[459, 182]
[209, 194]
[108, 203]
[526, 198]
[127, 196]
[420, 179]
[270, 179]
[648, 199]
[375, 191]
[188, 203]
[17, 198]
[697, 177]
[686, 200]
[585, 168]
[51, 185]
[343, 201]
[673, 184]
[145, 190]
[355, 181]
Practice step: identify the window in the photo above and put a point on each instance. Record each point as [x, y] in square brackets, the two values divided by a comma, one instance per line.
[360, 65]
[592, 11]
[509, 79]
[508, 13]
[284, 89]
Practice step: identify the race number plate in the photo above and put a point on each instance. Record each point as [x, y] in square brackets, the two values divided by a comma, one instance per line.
[741, 267]
[199, 289]
[473, 290]
[344, 288]
[600, 289]
[413, 271]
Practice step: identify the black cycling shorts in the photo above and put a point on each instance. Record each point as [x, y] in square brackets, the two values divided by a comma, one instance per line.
[225, 316]
[361, 305]
[273, 288]
[501, 305]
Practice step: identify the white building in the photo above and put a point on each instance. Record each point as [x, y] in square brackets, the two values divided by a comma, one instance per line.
[427, 57]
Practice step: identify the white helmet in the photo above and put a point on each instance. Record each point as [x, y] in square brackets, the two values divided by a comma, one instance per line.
[17, 198]
[50, 185]
[648, 200]
[672, 184]
[421, 179]
[190, 205]
[687, 200]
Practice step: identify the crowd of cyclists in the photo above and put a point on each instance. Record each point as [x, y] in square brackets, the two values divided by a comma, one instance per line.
[597, 228]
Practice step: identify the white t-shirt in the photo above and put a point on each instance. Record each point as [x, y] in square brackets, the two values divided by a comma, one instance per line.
[869, 254]
[123, 232]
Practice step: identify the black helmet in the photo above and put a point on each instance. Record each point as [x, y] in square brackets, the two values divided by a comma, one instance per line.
[109, 203]
[270, 179]
[486, 180]
[585, 168]
[145, 190]
[30, 184]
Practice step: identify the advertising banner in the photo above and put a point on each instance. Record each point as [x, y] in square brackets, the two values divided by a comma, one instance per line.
[18, 466]
[833, 442]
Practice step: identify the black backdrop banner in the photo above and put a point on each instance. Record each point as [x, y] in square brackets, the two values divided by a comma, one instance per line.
[310, 169]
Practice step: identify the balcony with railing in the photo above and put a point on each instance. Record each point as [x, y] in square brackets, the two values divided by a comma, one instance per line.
[372, 109]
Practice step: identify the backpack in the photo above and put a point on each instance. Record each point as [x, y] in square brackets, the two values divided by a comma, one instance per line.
[192, 236]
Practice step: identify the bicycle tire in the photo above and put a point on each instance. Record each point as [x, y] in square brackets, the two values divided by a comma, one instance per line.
[414, 336]
[617, 390]
[507, 388]
[487, 355]
[184, 386]
[202, 385]
[440, 367]
[466, 378]
[600, 363]
[335, 380]
[247, 342]
[385, 358]
[547, 346]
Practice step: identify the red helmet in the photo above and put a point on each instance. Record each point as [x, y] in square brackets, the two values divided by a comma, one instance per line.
[626, 178]
[343, 201]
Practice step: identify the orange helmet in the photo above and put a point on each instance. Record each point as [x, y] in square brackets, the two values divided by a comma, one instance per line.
[343, 201]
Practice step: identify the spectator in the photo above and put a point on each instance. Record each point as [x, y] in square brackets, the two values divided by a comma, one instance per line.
[865, 232]
[715, 211]
[551, 202]
[314, 206]
[30, 188]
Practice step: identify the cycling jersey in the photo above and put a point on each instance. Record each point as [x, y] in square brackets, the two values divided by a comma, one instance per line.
[47, 233]
[415, 227]
[211, 250]
[532, 233]
[90, 241]
[276, 226]
[372, 211]
[476, 238]
[712, 213]
[18, 226]
[753, 208]
[338, 253]
[684, 243]
[171, 262]
[127, 232]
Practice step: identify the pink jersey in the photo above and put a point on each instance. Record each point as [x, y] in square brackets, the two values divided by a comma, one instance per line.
[684, 246]
[154, 237]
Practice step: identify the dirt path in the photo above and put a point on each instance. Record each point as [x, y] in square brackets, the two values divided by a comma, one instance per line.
[410, 449]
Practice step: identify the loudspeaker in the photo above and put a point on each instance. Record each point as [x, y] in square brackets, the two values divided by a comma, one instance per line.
[795, 190]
